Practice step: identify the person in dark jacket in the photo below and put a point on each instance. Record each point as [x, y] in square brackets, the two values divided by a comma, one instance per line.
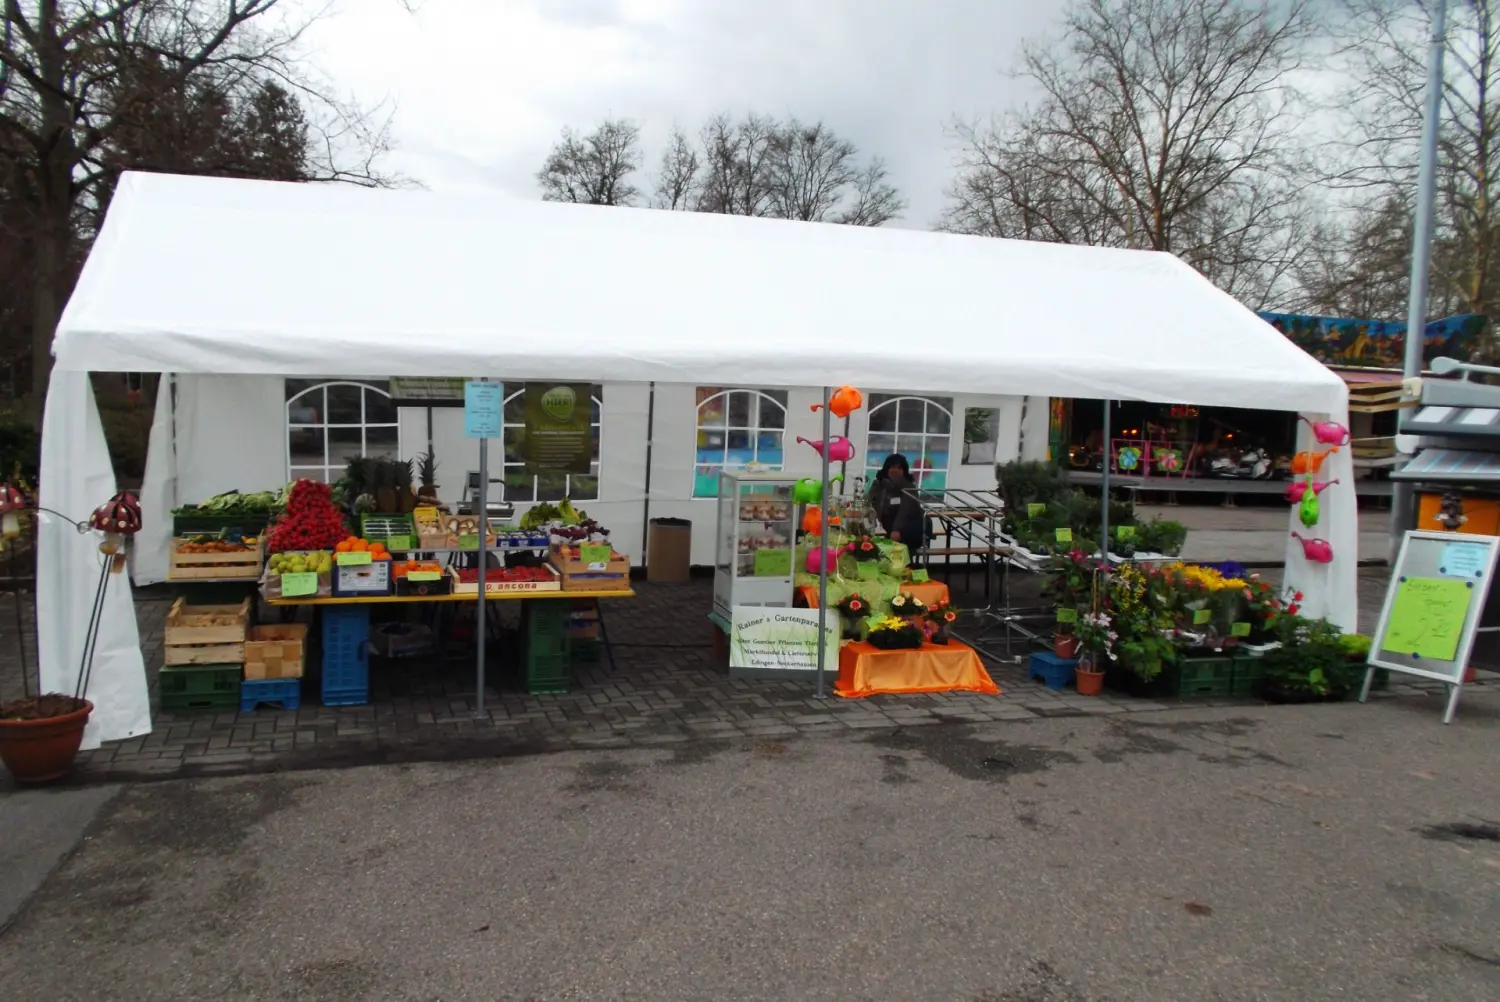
[897, 510]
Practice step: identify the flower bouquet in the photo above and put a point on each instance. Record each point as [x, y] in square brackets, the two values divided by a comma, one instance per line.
[893, 634]
[866, 555]
[852, 609]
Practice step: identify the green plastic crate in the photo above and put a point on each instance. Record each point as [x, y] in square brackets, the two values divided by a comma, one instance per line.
[1204, 678]
[200, 687]
[1249, 672]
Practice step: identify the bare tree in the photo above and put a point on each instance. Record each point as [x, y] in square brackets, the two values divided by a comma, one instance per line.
[1385, 45]
[678, 185]
[82, 77]
[1167, 125]
[737, 165]
[594, 169]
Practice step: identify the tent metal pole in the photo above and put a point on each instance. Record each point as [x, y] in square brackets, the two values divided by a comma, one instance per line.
[483, 511]
[823, 542]
[1104, 493]
[646, 508]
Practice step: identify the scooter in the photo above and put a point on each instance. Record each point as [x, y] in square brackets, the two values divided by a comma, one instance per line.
[1252, 464]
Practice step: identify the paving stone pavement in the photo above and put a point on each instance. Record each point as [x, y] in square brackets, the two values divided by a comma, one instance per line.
[665, 687]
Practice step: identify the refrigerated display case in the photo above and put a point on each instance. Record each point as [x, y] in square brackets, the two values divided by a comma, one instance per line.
[755, 549]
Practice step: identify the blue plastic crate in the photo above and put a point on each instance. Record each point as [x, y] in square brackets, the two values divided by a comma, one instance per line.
[346, 652]
[1052, 671]
[286, 692]
[345, 697]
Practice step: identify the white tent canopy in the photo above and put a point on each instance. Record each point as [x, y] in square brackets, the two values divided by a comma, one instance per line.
[216, 276]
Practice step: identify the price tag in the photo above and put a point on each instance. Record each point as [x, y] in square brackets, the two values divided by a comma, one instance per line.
[424, 575]
[1067, 615]
[399, 543]
[920, 577]
[468, 542]
[299, 585]
[1064, 535]
[595, 553]
[354, 559]
[1035, 509]
[1239, 629]
[771, 563]
[1124, 532]
[1202, 616]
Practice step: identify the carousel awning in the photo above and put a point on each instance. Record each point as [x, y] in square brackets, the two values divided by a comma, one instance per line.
[1451, 466]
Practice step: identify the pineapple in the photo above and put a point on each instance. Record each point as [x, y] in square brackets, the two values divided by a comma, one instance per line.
[384, 484]
[401, 477]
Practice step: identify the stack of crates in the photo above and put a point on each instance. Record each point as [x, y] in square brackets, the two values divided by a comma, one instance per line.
[547, 657]
[346, 656]
[204, 651]
[584, 632]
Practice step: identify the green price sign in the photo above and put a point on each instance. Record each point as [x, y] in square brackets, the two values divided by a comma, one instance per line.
[1239, 629]
[1035, 510]
[354, 559]
[1067, 615]
[1064, 535]
[468, 542]
[424, 575]
[299, 585]
[595, 553]
[1124, 532]
[773, 563]
[1202, 616]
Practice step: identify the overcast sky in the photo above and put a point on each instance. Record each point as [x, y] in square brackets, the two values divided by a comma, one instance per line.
[483, 87]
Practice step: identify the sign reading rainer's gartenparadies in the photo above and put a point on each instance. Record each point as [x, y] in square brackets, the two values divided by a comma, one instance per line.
[559, 428]
[1437, 595]
[775, 642]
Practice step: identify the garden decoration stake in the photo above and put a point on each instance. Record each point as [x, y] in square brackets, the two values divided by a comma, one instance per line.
[118, 519]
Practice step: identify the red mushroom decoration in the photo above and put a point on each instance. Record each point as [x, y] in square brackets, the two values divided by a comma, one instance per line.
[118, 518]
[12, 502]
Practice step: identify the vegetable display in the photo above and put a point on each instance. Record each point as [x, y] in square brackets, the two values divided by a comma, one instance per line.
[311, 522]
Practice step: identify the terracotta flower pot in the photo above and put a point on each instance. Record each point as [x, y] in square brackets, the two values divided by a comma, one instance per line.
[39, 751]
[1090, 682]
[1065, 645]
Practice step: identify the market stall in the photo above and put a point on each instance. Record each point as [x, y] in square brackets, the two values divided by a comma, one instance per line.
[379, 283]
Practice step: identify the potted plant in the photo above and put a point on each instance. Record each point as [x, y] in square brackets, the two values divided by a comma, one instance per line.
[852, 611]
[1139, 602]
[1311, 664]
[41, 732]
[893, 634]
[940, 619]
[866, 553]
[1097, 637]
[1069, 584]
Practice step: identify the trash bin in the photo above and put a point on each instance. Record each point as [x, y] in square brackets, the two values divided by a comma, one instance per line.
[669, 550]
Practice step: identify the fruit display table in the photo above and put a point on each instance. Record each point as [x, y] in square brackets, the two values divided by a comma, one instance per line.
[865, 670]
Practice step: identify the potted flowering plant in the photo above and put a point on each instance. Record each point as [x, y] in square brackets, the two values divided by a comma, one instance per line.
[852, 610]
[1097, 639]
[866, 554]
[1141, 615]
[940, 617]
[1069, 584]
[893, 634]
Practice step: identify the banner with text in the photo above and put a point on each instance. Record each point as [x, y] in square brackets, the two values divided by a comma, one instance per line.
[559, 431]
[781, 639]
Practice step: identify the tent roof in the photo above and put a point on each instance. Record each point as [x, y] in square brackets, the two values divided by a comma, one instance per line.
[214, 275]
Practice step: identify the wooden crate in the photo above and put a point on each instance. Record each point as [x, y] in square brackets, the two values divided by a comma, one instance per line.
[275, 651]
[240, 565]
[494, 587]
[206, 634]
[580, 576]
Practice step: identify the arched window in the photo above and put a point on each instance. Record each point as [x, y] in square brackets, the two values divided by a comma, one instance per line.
[737, 427]
[520, 486]
[330, 421]
[920, 428]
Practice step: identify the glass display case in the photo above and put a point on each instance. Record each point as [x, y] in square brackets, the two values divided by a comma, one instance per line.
[753, 562]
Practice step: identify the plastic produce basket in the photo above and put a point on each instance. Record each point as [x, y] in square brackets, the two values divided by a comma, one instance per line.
[346, 656]
[1204, 678]
[283, 692]
[199, 687]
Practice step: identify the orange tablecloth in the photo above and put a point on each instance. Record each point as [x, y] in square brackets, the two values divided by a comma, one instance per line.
[865, 670]
[929, 593]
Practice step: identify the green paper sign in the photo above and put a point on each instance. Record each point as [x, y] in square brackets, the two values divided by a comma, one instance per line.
[299, 585]
[1035, 509]
[1202, 616]
[1427, 618]
[1064, 535]
[1124, 532]
[424, 576]
[558, 436]
[1067, 615]
[920, 577]
[399, 543]
[354, 559]
[469, 542]
[595, 553]
[773, 563]
[1239, 629]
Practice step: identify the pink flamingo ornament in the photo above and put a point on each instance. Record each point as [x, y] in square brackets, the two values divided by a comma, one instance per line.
[1327, 432]
[1297, 488]
[1319, 551]
[840, 449]
[815, 557]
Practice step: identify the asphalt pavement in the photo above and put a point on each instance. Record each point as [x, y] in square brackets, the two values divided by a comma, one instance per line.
[1266, 853]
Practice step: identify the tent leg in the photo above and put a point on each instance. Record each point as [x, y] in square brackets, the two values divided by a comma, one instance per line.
[823, 542]
[483, 509]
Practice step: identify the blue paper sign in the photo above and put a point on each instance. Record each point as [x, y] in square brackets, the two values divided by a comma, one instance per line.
[1463, 560]
[484, 409]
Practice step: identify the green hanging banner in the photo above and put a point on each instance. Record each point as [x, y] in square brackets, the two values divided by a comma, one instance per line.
[559, 428]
